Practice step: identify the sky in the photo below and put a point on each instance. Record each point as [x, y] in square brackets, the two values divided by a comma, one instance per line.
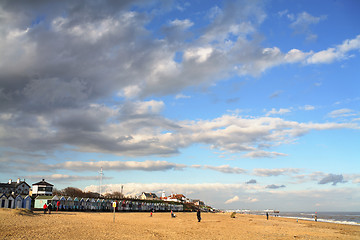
[242, 104]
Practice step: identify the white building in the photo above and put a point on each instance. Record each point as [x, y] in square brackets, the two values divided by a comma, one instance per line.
[42, 188]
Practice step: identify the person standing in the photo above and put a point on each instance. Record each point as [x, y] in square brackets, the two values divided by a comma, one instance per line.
[50, 208]
[45, 208]
[267, 216]
[198, 214]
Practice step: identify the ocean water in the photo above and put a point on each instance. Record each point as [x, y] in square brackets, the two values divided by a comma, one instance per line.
[351, 218]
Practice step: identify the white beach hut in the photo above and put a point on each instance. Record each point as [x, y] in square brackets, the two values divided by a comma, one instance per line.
[11, 202]
[3, 200]
[69, 204]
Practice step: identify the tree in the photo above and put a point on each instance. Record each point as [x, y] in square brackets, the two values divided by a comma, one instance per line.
[73, 192]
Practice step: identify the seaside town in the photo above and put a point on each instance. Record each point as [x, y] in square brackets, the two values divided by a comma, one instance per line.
[42, 195]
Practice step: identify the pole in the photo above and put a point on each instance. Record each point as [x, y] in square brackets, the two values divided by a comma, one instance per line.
[114, 206]
[114, 215]
[101, 174]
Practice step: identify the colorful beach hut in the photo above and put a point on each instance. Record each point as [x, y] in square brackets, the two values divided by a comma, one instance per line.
[27, 202]
[62, 202]
[76, 203]
[18, 202]
[69, 204]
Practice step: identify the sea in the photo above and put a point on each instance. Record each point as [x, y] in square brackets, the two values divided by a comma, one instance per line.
[349, 218]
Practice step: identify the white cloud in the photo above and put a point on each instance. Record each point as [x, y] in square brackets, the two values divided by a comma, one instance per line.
[281, 111]
[335, 53]
[226, 169]
[231, 200]
[180, 96]
[200, 55]
[275, 172]
[182, 23]
[263, 154]
[307, 108]
[344, 112]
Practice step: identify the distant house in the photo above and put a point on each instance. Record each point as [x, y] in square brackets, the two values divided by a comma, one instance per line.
[15, 188]
[197, 202]
[175, 198]
[42, 188]
[148, 196]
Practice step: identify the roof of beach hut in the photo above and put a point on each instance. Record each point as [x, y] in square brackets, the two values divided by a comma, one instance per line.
[62, 198]
[44, 197]
[19, 196]
[76, 199]
[82, 200]
[55, 198]
[69, 199]
[3, 195]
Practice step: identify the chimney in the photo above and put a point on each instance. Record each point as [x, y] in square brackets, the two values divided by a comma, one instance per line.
[10, 181]
[18, 180]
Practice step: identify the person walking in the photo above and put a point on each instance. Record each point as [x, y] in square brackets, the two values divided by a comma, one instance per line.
[198, 214]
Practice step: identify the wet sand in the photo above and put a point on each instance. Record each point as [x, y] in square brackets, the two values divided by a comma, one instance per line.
[22, 224]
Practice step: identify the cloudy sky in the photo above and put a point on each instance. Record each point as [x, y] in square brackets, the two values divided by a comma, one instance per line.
[243, 104]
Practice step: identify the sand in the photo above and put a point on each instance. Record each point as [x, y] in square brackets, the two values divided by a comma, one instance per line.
[23, 224]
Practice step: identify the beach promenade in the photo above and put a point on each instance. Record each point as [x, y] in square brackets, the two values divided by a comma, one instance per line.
[22, 224]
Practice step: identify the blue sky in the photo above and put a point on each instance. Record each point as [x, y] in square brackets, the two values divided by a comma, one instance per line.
[243, 104]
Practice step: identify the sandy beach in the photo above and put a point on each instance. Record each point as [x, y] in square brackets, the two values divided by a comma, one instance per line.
[23, 224]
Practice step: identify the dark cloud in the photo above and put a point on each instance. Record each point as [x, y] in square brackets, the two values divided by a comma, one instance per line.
[251, 181]
[332, 178]
[273, 186]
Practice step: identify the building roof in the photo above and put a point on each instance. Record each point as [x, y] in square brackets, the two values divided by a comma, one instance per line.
[44, 197]
[150, 195]
[12, 184]
[43, 182]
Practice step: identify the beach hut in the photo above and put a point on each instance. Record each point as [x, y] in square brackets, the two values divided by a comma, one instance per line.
[62, 203]
[108, 204]
[87, 204]
[69, 204]
[82, 204]
[76, 203]
[27, 202]
[11, 202]
[98, 204]
[3, 200]
[41, 200]
[102, 205]
[54, 200]
[18, 201]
